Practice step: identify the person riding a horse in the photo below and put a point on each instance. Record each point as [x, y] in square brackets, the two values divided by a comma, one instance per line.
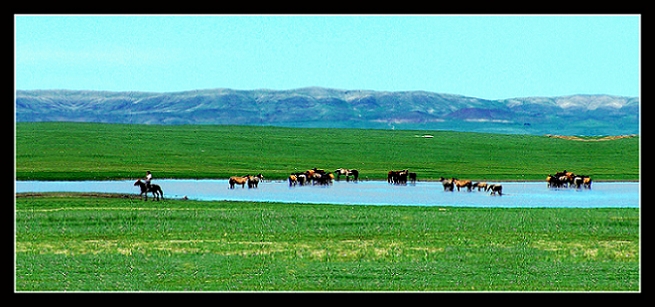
[148, 179]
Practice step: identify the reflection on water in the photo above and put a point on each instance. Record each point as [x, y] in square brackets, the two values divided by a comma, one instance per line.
[516, 194]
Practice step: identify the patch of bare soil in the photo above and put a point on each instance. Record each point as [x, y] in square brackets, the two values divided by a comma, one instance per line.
[593, 139]
[73, 194]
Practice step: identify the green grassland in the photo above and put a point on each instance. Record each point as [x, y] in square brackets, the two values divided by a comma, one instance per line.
[85, 151]
[75, 242]
[78, 243]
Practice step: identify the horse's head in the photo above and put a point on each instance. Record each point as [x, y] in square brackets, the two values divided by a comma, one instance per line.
[138, 183]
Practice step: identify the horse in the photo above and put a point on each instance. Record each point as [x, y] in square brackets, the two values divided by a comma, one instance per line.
[480, 186]
[347, 172]
[565, 179]
[253, 181]
[301, 177]
[293, 180]
[586, 182]
[463, 183]
[496, 188]
[448, 184]
[310, 174]
[155, 189]
[412, 178]
[582, 181]
[554, 181]
[323, 179]
[238, 180]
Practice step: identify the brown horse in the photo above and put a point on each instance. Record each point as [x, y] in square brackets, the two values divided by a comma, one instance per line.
[481, 186]
[463, 183]
[253, 181]
[586, 182]
[155, 189]
[238, 180]
[293, 180]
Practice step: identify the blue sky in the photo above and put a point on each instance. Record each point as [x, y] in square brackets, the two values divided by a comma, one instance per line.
[483, 56]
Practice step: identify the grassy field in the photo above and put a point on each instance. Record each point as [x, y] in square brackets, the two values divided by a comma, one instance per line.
[77, 243]
[73, 242]
[85, 151]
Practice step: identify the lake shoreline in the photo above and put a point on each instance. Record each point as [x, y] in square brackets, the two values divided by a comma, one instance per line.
[342, 180]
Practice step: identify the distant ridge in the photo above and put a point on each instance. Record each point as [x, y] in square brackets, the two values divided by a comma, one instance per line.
[333, 108]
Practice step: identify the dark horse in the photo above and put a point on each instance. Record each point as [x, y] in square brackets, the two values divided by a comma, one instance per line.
[348, 173]
[155, 189]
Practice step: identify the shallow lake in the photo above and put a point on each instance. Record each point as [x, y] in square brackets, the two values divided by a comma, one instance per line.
[515, 194]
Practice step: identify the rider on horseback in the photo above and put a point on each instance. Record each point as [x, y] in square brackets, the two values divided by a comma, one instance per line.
[148, 178]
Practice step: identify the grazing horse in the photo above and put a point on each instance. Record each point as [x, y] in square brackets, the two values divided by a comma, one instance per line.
[253, 181]
[448, 184]
[496, 188]
[347, 172]
[155, 189]
[463, 183]
[238, 180]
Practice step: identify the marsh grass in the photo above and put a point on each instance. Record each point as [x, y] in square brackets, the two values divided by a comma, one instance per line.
[84, 243]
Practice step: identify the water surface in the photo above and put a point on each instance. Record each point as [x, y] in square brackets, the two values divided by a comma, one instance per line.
[516, 194]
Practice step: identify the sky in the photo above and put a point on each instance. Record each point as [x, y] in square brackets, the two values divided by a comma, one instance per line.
[482, 56]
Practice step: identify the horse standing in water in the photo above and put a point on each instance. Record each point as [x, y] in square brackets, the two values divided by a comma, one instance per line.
[496, 188]
[463, 184]
[155, 189]
[253, 181]
[448, 184]
[238, 180]
[347, 172]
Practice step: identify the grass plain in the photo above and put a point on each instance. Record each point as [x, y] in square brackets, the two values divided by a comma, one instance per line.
[76, 242]
[91, 151]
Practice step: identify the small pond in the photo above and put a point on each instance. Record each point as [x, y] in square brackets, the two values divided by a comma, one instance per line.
[516, 194]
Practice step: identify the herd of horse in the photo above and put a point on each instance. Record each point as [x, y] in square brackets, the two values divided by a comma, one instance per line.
[252, 181]
[400, 177]
[452, 183]
[319, 176]
[316, 176]
[566, 179]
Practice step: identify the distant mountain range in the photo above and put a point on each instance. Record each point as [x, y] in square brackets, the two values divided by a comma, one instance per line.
[332, 108]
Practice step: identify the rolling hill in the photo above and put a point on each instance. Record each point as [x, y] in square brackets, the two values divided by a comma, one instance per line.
[323, 107]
